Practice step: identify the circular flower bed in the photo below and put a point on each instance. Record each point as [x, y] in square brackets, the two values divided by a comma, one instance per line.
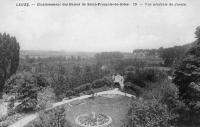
[93, 120]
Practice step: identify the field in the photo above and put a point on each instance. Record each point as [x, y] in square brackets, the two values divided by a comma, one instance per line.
[116, 108]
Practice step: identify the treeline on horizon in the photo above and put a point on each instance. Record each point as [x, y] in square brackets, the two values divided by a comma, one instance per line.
[168, 56]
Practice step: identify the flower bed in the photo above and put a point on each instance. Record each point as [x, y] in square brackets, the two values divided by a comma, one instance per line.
[93, 120]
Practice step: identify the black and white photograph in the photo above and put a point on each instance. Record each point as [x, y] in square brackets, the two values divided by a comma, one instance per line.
[99, 63]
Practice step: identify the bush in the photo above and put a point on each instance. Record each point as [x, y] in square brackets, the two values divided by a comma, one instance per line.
[142, 76]
[98, 83]
[187, 78]
[27, 94]
[154, 75]
[166, 93]
[108, 81]
[128, 86]
[27, 105]
[45, 98]
[84, 87]
[101, 83]
[26, 87]
[69, 93]
[135, 77]
[148, 113]
[11, 105]
[51, 118]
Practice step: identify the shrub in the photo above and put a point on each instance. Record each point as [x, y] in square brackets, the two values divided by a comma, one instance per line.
[153, 75]
[27, 105]
[108, 81]
[11, 105]
[69, 93]
[102, 82]
[27, 94]
[61, 82]
[166, 93]
[98, 83]
[187, 72]
[51, 118]
[187, 78]
[84, 87]
[45, 98]
[149, 113]
[132, 87]
[142, 76]
[130, 68]
[135, 77]
[26, 86]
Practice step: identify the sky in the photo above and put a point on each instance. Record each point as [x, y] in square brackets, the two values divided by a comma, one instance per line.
[95, 29]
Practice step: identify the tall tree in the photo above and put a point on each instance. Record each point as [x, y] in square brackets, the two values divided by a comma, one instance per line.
[173, 54]
[9, 58]
[187, 74]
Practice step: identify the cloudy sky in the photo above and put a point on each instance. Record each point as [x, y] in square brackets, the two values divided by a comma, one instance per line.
[99, 28]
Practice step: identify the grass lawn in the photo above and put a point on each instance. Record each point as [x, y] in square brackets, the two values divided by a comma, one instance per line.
[116, 108]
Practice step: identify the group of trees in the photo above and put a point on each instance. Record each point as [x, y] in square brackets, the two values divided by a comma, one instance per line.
[68, 78]
[173, 55]
[63, 81]
[9, 58]
[187, 78]
[170, 56]
[165, 103]
[25, 86]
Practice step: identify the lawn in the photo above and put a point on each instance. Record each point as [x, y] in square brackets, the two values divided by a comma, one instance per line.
[116, 108]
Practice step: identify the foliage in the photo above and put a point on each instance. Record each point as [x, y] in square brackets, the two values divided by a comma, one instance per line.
[69, 93]
[11, 105]
[9, 120]
[189, 72]
[101, 83]
[108, 55]
[165, 92]
[119, 65]
[60, 84]
[133, 89]
[13, 84]
[197, 33]
[149, 113]
[141, 76]
[45, 98]
[75, 80]
[173, 54]
[25, 86]
[9, 58]
[51, 118]
[84, 87]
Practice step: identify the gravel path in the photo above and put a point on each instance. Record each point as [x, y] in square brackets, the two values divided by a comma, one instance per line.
[22, 122]
[3, 108]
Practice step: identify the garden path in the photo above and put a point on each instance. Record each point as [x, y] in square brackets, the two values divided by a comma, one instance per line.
[22, 122]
